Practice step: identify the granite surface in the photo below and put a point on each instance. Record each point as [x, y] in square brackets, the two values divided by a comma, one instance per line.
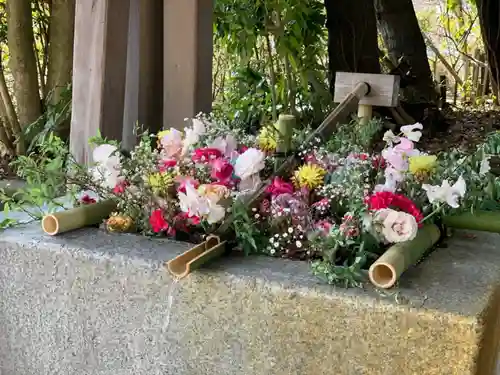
[90, 303]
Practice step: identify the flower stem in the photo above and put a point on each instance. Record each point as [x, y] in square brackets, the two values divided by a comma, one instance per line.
[432, 213]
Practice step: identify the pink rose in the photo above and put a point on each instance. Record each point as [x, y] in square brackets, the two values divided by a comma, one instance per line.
[278, 186]
[222, 170]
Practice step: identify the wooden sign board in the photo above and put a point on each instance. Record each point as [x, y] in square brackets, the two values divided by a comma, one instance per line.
[384, 88]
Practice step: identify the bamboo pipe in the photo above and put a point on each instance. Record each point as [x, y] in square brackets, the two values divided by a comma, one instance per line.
[485, 221]
[78, 217]
[387, 269]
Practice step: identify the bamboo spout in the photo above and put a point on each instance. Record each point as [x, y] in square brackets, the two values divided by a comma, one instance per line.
[195, 257]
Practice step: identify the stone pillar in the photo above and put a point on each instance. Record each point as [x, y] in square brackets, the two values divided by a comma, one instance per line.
[188, 50]
[144, 82]
[99, 67]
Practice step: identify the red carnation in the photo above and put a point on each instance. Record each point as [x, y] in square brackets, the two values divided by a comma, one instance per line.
[386, 199]
[158, 222]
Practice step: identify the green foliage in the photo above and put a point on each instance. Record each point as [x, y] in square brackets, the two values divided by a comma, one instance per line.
[44, 173]
[50, 121]
[354, 137]
[275, 53]
[249, 237]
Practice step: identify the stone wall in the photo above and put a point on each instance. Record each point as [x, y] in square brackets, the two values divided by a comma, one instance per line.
[95, 303]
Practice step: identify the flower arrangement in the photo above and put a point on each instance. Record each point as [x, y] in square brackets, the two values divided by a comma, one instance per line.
[338, 206]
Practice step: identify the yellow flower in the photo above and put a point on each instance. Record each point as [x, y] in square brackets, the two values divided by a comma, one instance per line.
[422, 165]
[161, 181]
[268, 138]
[119, 223]
[309, 176]
[163, 133]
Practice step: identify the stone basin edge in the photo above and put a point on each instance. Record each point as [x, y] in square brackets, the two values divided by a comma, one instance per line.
[445, 283]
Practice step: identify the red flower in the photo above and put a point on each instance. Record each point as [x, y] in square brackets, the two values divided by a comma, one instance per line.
[166, 164]
[386, 199]
[158, 222]
[378, 162]
[243, 148]
[222, 170]
[362, 156]
[86, 199]
[182, 220]
[205, 155]
[279, 186]
[120, 187]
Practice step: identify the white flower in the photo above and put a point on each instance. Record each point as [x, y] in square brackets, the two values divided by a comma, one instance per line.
[392, 178]
[250, 184]
[225, 145]
[193, 203]
[216, 212]
[249, 163]
[446, 193]
[396, 226]
[485, 166]
[108, 168]
[171, 143]
[390, 138]
[412, 132]
[193, 134]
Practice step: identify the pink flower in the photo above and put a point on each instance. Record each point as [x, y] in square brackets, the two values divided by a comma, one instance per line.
[398, 155]
[311, 159]
[222, 170]
[206, 155]
[167, 164]
[183, 181]
[120, 187]
[279, 186]
[321, 205]
[265, 206]
[324, 227]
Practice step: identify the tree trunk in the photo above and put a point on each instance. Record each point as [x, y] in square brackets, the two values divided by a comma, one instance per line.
[61, 37]
[489, 18]
[403, 39]
[22, 60]
[352, 37]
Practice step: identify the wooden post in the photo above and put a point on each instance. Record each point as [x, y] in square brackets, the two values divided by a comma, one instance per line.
[144, 83]
[188, 47]
[384, 91]
[99, 68]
